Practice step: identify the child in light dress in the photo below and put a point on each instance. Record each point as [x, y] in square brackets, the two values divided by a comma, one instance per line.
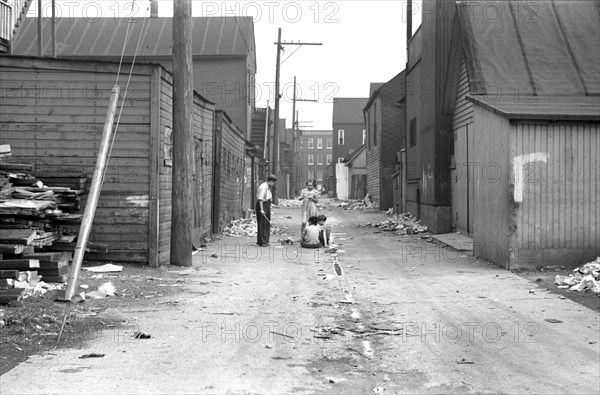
[310, 198]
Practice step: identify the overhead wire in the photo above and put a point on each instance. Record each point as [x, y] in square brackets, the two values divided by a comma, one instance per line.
[124, 96]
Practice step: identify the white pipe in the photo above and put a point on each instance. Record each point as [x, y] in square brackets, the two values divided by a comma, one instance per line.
[92, 201]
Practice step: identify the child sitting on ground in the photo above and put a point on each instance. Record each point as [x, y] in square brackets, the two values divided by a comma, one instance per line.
[310, 237]
[325, 232]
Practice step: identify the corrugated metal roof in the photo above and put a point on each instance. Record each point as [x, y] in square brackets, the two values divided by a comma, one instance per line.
[532, 48]
[104, 37]
[546, 108]
[348, 110]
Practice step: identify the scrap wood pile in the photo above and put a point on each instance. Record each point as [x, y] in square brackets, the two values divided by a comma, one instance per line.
[39, 224]
[402, 224]
[353, 205]
[247, 227]
[586, 277]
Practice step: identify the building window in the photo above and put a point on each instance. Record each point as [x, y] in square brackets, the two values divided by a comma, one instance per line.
[328, 159]
[413, 132]
[328, 143]
[311, 174]
[364, 140]
[319, 159]
[319, 175]
[319, 143]
[311, 144]
[311, 159]
[341, 137]
[340, 160]
[301, 143]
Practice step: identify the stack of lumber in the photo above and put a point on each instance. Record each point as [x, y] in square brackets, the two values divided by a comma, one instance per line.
[39, 221]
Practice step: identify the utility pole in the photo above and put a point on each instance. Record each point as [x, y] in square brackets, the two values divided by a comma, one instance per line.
[39, 28]
[181, 206]
[275, 157]
[53, 28]
[296, 173]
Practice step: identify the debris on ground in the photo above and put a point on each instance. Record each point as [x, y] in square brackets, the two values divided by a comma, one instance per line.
[402, 224]
[91, 355]
[288, 241]
[141, 335]
[463, 361]
[247, 227]
[104, 291]
[108, 268]
[586, 277]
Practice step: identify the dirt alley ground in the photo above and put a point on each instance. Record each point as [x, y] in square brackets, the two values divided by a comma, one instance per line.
[386, 314]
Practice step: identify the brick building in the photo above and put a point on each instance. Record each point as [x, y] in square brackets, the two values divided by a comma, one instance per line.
[315, 152]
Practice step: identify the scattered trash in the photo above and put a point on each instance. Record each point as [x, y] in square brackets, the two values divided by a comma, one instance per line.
[281, 334]
[463, 361]
[586, 277]
[214, 256]
[247, 227]
[553, 321]
[91, 355]
[141, 335]
[402, 224]
[78, 298]
[378, 390]
[358, 352]
[108, 268]
[532, 291]
[288, 241]
[268, 346]
[103, 291]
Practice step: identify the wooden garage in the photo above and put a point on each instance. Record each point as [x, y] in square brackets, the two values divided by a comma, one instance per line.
[53, 111]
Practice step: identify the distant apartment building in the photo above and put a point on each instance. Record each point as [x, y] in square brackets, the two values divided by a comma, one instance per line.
[315, 152]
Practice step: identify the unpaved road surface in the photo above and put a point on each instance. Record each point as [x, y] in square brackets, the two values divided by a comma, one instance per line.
[387, 314]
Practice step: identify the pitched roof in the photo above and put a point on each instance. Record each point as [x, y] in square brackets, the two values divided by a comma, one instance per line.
[374, 86]
[544, 108]
[392, 90]
[352, 157]
[348, 110]
[103, 37]
[540, 48]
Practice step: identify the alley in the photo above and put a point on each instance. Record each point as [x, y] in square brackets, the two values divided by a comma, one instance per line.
[386, 314]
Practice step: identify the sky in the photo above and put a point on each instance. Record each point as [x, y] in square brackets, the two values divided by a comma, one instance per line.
[362, 42]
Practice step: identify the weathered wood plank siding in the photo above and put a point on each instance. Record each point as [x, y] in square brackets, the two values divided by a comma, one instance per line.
[461, 170]
[373, 118]
[203, 125]
[229, 204]
[202, 167]
[491, 205]
[53, 113]
[555, 179]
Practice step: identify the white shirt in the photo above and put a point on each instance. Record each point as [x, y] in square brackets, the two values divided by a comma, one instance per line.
[264, 192]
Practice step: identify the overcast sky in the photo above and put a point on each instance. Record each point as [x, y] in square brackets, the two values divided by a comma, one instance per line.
[363, 42]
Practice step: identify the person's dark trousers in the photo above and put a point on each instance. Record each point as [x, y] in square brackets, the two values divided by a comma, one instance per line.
[264, 227]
